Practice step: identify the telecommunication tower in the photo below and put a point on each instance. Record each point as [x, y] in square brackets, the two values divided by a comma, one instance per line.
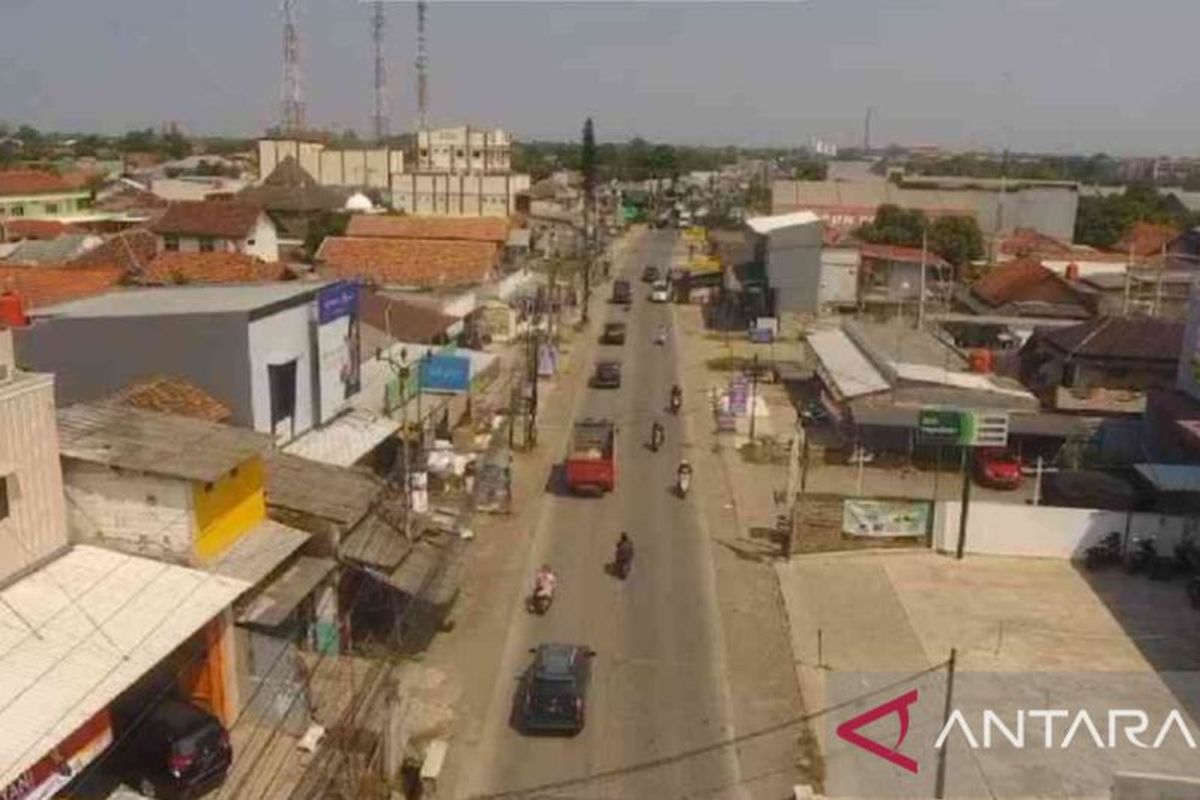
[292, 117]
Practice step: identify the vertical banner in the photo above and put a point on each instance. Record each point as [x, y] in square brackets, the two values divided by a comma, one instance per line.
[338, 347]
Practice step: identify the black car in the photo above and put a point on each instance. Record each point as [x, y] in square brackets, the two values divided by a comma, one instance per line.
[650, 274]
[607, 375]
[622, 292]
[555, 688]
[614, 333]
[175, 751]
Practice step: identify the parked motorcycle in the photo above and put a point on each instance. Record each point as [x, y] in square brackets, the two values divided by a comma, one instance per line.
[1141, 555]
[1107, 551]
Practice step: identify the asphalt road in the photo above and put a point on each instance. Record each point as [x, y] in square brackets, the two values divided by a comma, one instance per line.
[658, 708]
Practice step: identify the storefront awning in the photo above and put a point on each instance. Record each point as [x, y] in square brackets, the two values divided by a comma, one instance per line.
[344, 440]
[260, 552]
[81, 630]
[280, 597]
[1171, 477]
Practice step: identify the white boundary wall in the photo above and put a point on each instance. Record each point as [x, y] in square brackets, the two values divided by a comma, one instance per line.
[1010, 529]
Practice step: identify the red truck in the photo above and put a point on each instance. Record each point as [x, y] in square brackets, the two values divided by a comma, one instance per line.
[591, 464]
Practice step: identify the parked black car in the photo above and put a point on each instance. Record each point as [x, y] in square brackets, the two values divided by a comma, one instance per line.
[614, 333]
[555, 689]
[607, 375]
[175, 751]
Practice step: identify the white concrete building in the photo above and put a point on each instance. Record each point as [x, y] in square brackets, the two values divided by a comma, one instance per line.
[369, 168]
[789, 246]
[462, 195]
[464, 150]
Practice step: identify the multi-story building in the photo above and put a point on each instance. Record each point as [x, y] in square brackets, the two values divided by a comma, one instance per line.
[41, 195]
[458, 195]
[464, 150]
[363, 168]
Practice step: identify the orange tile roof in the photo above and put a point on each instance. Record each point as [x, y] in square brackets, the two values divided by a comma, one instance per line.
[29, 181]
[129, 250]
[1146, 239]
[1023, 280]
[13, 230]
[407, 262]
[908, 255]
[1030, 242]
[467, 229]
[175, 268]
[168, 394]
[43, 285]
[222, 219]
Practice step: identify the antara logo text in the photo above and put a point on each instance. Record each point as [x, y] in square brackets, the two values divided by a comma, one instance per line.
[1047, 728]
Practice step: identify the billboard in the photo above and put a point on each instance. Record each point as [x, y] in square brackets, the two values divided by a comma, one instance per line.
[337, 343]
[957, 426]
[446, 373]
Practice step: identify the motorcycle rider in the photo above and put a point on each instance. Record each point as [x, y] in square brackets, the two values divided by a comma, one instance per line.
[624, 555]
[683, 476]
[657, 435]
[676, 397]
[661, 336]
[543, 584]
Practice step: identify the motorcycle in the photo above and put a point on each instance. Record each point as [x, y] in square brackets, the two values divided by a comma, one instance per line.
[624, 560]
[676, 401]
[1141, 555]
[683, 480]
[1107, 551]
[542, 597]
[656, 437]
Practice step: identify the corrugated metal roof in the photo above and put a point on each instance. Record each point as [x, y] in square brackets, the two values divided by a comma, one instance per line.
[311, 487]
[72, 663]
[159, 444]
[378, 542]
[431, 571]
[1171, 477]
[283, 594]
[776, 222]
[260, 552]
[343, 441]
[851, 372]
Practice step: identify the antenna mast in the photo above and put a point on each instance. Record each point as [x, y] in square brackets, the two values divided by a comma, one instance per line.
[867, 131]
[293, 106]
[422, 65]
[379, 119]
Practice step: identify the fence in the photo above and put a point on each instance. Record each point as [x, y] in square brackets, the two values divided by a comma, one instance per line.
[1009, 529]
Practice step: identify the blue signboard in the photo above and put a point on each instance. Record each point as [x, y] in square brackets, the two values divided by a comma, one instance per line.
[445, 374]
[337, 300]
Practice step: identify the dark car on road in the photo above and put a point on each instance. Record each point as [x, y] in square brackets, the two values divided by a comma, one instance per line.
[622, 292]
[607, 375]
[175, 751]
[554, 692]
[650, 274]
[614, 333]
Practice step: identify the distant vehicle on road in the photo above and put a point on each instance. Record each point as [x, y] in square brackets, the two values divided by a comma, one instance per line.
[650, 274]
[175, 751]
[607, 375]
[614, 333]
[622, 292]
[660, 292]
[997, 468]
[591, 464]
[554, 698]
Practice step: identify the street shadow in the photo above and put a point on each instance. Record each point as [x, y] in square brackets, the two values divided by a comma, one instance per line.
[752, 552]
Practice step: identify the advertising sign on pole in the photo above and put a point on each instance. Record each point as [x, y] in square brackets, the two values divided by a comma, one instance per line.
[337, 340]
[442, 373]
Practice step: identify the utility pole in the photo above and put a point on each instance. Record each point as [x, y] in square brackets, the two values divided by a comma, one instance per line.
[939, 789]
[588, 164]
[966, 502]
[921, 288]
[753, 395]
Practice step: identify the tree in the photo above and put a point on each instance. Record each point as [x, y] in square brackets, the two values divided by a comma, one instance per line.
[956, 239]
[176, 145]
[587, 160]
[894, 225]
[329, 223]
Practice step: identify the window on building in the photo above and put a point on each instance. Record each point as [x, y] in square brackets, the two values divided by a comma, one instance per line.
[4, 496]
[17, 211]
[477, 155]
[171, 243]
[206, 244]
[458, 153]
[51, 208]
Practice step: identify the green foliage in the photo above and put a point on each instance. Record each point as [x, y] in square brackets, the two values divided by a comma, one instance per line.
[1095, 169]
[329, 223]
[956, 239]
[1104, 221]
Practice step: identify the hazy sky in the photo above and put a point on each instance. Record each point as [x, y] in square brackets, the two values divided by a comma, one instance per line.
[1060, 75]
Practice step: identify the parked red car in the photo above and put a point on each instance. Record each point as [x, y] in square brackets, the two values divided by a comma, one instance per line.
[997, 468]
